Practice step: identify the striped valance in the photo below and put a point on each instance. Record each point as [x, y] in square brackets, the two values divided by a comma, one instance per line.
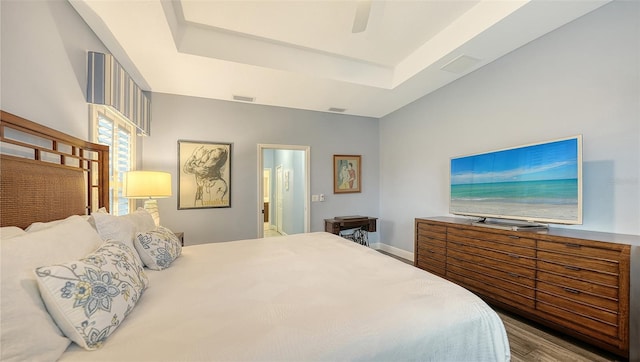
[109, 84]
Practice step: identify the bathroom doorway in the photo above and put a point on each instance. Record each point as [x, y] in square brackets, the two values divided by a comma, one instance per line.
[283, 190]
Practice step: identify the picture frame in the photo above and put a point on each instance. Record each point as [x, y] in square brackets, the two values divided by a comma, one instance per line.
[204, 174]
[347, 174]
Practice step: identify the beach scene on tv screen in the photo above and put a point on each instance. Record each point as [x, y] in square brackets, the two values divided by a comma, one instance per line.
[533, 182]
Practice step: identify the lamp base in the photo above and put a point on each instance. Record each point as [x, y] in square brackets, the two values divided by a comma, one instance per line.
[151, 206]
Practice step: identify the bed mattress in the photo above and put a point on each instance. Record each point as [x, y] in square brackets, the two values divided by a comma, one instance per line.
[305, 297]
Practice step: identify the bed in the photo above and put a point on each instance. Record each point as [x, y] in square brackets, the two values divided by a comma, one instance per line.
[305, 297]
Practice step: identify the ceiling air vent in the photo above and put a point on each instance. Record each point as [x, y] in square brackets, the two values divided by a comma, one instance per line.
[337, 110]
[461, 64]
[243, 98]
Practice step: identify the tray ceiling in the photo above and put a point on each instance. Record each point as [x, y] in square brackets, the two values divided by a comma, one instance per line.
[305, 55]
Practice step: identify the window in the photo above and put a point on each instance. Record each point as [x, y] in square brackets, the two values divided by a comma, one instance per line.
[113, 130]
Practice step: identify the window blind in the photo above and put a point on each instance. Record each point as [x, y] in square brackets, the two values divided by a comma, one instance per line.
[110, 85]
[119, 139]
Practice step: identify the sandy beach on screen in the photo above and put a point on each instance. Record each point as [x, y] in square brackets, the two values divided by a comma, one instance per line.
[544, 211]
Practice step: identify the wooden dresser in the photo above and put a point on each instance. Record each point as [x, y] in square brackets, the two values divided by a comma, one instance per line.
[575, 281]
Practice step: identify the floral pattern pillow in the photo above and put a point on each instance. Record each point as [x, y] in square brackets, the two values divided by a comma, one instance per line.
[89, 298]
[158, 248]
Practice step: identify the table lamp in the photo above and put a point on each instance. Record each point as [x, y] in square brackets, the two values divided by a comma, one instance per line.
[149, 185]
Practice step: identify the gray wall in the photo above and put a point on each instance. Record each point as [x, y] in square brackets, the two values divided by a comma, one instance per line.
[580, 79]
[246, 126]
[43, 64]
[43, 78]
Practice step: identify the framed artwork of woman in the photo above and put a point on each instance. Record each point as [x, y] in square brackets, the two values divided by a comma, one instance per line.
[347, 173]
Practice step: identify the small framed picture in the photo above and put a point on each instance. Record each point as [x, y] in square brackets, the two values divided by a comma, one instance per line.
[204, 175]
[347, 174]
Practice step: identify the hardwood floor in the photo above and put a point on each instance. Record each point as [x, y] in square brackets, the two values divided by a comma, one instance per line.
[529, 341]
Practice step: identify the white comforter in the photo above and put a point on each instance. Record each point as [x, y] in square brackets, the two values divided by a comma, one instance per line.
[301, 298]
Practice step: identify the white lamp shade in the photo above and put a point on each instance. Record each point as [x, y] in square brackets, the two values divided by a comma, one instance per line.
[147, 184]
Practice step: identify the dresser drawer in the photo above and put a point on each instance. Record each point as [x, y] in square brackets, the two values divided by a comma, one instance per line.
[589, 276]
[575, 314]
[579, 250]
[491, 289]
[431, 265]
[493, 257]
[578, 258]
[496, 268]
[431, 230]
[588, 301]
[610, 291]
[486, 244]
[579, 267]
[429, 241]
[435, 251]
[572, 306]
[523, 282]
[504, 239]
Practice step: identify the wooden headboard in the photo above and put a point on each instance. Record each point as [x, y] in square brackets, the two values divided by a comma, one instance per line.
[48, 175]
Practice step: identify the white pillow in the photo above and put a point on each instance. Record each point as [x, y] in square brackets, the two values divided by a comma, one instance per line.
[27, 331]
[158, 248]
[117, 228]
[37, 226]
[7, 232]
[90, 297]
[142, 219]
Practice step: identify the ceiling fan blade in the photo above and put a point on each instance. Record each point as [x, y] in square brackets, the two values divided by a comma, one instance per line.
[360, 21]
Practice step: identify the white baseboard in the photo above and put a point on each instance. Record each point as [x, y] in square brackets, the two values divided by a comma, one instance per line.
[392, 250]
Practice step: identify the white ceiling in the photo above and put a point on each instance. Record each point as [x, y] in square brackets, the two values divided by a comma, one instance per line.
[303, 54]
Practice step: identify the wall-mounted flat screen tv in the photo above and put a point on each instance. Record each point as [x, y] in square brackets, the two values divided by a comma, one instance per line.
[539, 183]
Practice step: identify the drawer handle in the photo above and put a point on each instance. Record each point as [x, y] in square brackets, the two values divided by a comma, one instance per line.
[515, 256]
[572, 245]
[571, 290]
[431, 251]
[514, 237]
[457, 243]
[571, 267]
[514, 275]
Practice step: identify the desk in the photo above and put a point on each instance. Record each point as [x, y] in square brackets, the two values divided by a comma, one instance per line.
[340, 223]
[362, 224]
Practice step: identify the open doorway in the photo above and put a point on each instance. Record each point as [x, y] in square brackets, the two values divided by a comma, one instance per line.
[283, 190]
